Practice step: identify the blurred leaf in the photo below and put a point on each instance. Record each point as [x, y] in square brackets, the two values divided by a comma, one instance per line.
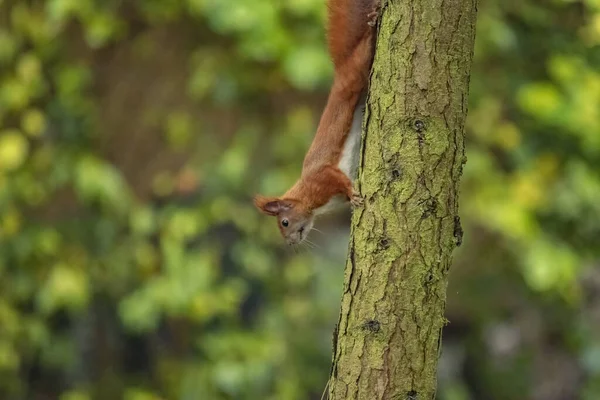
[9, 321]
[96, 180]
[74, 395]
[306, 67]
[179, 130]
[138, 313]
[9, 358]
[142, 221]
[14, 94]
[163, 184]
[549, 265]
[8, 47]
[28, 68]
[540, 99]
[10, 223]
[140, 394]
[33, 122]
[13, 149]
[65, 287]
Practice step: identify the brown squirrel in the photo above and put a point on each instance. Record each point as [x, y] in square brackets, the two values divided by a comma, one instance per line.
[331, 162]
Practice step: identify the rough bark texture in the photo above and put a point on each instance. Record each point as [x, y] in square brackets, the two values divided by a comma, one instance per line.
[389, 334]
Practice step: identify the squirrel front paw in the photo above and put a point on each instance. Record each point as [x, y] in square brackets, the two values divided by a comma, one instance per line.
[373, 16]
[357, 200]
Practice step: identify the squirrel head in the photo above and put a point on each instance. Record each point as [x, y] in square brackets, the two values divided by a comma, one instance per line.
[294, 222]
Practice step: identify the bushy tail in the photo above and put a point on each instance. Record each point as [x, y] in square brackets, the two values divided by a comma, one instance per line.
[348, 23]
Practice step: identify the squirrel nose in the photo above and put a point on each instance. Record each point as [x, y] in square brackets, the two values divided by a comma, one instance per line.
[293, 239]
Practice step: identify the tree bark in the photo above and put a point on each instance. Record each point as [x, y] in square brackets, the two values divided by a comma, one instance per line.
[388, 337]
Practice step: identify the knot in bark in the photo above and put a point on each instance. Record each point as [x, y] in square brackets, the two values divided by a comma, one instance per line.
[372, 326]
[419, 126]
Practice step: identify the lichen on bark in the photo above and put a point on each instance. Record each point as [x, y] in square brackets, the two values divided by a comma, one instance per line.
[389, 332]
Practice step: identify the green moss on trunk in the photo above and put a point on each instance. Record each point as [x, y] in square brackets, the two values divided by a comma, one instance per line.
[392, 313]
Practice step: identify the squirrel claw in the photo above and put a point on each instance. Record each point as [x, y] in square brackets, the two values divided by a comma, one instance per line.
[357, 200]
[373, 16]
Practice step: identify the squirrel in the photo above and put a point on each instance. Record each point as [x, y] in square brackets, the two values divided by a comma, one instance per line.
[330, 164]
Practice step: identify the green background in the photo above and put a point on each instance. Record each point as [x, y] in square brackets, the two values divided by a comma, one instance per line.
[133, 264]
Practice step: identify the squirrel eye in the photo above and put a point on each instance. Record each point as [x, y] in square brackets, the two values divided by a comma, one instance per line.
[285, 222]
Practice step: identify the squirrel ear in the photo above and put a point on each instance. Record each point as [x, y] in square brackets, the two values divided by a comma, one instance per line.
[269, 205]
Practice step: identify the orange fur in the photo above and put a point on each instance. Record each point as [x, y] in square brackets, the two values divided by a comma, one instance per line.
[351, 46]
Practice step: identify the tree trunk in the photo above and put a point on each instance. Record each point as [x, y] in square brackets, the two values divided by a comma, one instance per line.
[388, 337]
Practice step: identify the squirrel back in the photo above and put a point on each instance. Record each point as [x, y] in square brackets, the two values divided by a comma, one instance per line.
[346, 26]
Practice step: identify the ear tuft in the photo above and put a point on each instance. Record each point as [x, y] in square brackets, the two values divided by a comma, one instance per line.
[269, 205]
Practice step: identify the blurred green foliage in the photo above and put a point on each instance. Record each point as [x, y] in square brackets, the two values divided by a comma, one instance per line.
[132, 262]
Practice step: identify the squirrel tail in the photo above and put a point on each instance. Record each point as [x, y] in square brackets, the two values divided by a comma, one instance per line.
[348, 23]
